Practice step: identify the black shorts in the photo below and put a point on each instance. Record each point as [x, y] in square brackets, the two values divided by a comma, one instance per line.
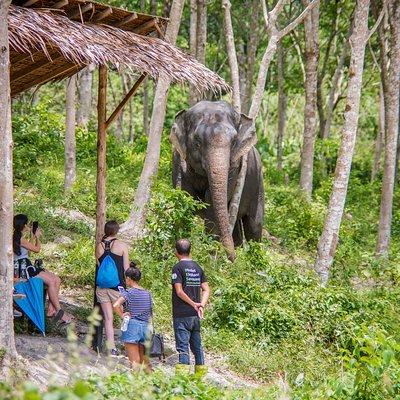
[32, 270]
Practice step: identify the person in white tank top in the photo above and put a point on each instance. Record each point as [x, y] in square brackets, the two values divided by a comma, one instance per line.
[22, 247]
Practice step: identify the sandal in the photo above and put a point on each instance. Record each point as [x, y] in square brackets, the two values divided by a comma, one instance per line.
[58, 315]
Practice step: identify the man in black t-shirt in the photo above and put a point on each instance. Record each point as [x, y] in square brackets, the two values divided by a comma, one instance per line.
[190, 293]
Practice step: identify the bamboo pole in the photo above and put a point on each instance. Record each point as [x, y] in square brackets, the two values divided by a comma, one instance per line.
[101, 154]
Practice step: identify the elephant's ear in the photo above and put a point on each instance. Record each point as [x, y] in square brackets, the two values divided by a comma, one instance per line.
[177, 135]
[246, 138]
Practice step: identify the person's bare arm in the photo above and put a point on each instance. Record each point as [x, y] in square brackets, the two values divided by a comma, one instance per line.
[35, 246]
[182, 295]
[98, 252]
[125, 257]
[118, 307]
[205, 293]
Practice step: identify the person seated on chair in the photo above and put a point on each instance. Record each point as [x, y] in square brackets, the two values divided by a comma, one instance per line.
[139, 304]
[22, 246]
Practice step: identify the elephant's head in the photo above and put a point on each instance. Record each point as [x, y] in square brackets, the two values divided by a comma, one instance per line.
[212, 137]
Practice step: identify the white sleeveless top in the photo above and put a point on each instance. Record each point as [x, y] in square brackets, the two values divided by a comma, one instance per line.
[24, 254]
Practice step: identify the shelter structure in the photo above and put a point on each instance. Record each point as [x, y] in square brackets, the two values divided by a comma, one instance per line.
[54, 39]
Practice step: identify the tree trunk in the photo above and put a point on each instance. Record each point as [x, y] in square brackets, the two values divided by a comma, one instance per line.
[70, 143]
[35, 97]
[201, 38]
[118, 127]
[380, 137]
[166, 8]
[392, 125]
[274, 36]
[153, 7]
[333, 92]
[322, 74]
[146, 107]
[329, 237]
[252, 45]
[193, 45]
[7, 344]
[127, 84]
[262, 76]
[230, 46]
[145, 83]
[311, 24]
[85, 96]
[135, 225]
[282, 103]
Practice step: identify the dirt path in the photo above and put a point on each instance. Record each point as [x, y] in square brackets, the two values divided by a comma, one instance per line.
[56, 359]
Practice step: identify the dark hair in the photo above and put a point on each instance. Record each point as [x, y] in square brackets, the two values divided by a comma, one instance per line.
[20, 220]
[183, 247]
[111, 228]
[133, 272]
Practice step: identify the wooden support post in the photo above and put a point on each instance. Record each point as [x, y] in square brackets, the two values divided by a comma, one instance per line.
[97, 342]
[101, 154]
[121, 105]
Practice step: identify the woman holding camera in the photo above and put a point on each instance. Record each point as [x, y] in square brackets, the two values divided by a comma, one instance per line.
[22, 246]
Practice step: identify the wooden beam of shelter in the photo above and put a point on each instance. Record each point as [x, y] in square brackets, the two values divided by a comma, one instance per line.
[101, 15]
[60, 71]
[145, 26]
[160, 32]
[80, 11]
[24, 56]
[29, 3]
[101, 154]
[60, 4]
[30, 69]
[126, 20]
[121, 105]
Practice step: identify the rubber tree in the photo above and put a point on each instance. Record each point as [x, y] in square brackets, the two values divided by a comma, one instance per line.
[330, 234]
[135, 224]
[311, 24]
[70, 140]
[391, 94]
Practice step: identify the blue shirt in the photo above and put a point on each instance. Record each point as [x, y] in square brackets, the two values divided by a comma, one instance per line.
[139, 303]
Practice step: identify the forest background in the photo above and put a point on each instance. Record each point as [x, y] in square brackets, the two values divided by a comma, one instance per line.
[269, 314]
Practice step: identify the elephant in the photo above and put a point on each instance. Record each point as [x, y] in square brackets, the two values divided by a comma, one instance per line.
[209, 141]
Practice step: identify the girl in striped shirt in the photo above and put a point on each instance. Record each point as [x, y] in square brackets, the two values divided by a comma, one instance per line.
[139, 304]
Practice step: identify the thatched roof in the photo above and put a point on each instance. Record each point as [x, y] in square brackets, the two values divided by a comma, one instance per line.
[46, 44]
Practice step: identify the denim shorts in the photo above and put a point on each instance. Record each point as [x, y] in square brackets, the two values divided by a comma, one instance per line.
[137, 332]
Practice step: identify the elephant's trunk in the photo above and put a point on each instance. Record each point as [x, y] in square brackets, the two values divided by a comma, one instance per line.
[218, 170]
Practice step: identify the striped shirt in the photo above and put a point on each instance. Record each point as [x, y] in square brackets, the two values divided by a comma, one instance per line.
[139, 303]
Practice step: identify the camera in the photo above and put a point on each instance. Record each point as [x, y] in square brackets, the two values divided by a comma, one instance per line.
[35, 226]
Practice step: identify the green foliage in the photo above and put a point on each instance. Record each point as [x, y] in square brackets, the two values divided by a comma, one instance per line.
[132, 386]
[291, 218]
[171, 216]
[371, 370]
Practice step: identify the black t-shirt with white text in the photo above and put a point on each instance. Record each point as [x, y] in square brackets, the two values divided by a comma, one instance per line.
[191, 276]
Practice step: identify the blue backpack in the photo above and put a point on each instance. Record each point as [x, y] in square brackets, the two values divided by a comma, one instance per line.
[107, 274]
